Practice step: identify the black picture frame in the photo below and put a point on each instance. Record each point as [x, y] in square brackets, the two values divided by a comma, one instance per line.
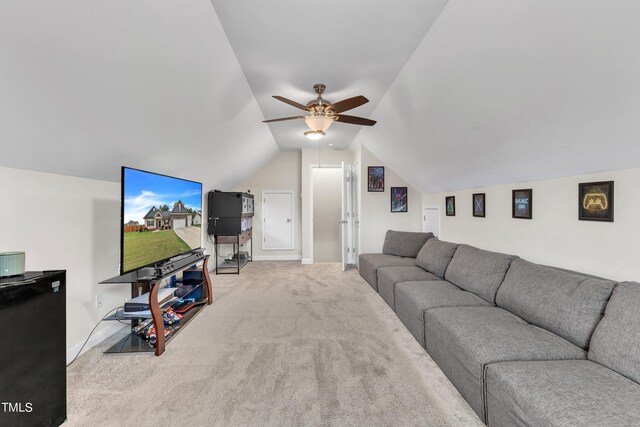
[450, 205]
[375, 179]
[522, 203]
[399, 199]
[595, 201]
[478, 201]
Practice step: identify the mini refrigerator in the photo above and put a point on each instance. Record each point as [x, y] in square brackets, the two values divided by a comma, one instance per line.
[33, 380]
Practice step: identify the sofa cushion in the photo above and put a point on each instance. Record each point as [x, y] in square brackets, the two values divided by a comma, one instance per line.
[389, 276]
[413, 298]
[404, 243]
[368, 265]
[435, 256]
[566, 304]
[616, 340]
[478, 271]
[463, 340]
[560, 393]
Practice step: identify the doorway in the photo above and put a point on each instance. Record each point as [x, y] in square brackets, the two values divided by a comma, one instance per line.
[326, 213]
[431, 220]
[355, 213]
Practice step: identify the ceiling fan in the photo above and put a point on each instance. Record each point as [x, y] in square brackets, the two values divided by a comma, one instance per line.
[322, 113]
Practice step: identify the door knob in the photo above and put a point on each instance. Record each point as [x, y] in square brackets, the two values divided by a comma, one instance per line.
[342, 222]
[288, 219]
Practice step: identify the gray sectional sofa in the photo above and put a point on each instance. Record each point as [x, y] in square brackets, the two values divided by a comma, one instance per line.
[525, 344]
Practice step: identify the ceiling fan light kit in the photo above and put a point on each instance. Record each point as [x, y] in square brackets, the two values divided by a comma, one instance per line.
[323, 113]
[314, 135]
[321, 123]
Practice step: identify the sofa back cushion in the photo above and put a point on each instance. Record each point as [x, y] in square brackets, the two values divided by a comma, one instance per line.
[616, 341]
[435, 256]
[568, 304]
[478, 271]
[404, 243]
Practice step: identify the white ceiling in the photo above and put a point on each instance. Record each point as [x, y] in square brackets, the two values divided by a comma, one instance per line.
[355, 47]
[504, 91]
[466, 93]
[88, 86]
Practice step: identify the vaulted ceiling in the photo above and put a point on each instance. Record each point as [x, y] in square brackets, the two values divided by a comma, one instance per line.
[88, 86]
[355, 47]
[504, 91]
[466, 93]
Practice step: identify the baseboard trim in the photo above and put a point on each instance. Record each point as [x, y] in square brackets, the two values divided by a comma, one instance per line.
[95, 339]
[307, 261]
[277, 257]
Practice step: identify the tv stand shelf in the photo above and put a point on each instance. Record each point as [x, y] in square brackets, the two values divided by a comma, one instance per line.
[149, 280]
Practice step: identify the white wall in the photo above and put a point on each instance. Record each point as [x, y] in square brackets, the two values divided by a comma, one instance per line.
[554, 236]
[281, 173]
[375, 208]
[71, 224]
[314, 156]
[327, 213]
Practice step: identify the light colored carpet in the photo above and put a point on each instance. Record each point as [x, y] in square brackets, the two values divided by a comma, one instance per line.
[283, 344]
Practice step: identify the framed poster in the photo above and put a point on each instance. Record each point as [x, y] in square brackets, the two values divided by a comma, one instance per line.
[479, 205]
[521, 204]
[399, 199]
[595, 201]
[450, 205]
[375, 179]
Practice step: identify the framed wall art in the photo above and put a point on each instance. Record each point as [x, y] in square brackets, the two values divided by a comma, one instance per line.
[479, 205]
[399, 199]
[521, 204]
[450, 205]
[375, 179]
[595, 201]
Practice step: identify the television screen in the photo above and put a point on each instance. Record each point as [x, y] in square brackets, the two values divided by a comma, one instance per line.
[161, 218]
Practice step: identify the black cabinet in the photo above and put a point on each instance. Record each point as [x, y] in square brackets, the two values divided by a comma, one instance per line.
[33, 349]
[230, 221]
[229, 213]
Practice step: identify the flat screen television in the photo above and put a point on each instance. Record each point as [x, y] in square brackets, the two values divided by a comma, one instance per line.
[160, 216]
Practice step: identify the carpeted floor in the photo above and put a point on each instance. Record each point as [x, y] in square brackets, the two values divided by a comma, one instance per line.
[283, 344]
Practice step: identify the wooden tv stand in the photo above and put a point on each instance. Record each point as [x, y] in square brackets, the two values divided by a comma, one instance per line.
[142, 283]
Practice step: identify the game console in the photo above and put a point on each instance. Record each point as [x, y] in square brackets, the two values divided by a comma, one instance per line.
[140, 304]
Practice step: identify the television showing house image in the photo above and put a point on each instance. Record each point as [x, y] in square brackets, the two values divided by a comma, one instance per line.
[161, 218]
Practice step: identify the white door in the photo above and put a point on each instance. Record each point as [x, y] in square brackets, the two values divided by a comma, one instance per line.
[355, 214]
[277, 220]
[344, 221]
[179, 223]
[431, 220]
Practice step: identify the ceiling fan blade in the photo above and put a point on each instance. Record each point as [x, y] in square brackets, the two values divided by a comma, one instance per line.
[282, 119]
[349, 104]
[290, 102]
[343, 118]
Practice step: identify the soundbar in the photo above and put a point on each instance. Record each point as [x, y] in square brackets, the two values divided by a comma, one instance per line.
[179, 262]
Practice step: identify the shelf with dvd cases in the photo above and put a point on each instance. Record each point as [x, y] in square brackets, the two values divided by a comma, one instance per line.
[171, 307]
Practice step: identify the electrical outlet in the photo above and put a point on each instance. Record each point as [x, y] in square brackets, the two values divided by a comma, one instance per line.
[98, 300]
